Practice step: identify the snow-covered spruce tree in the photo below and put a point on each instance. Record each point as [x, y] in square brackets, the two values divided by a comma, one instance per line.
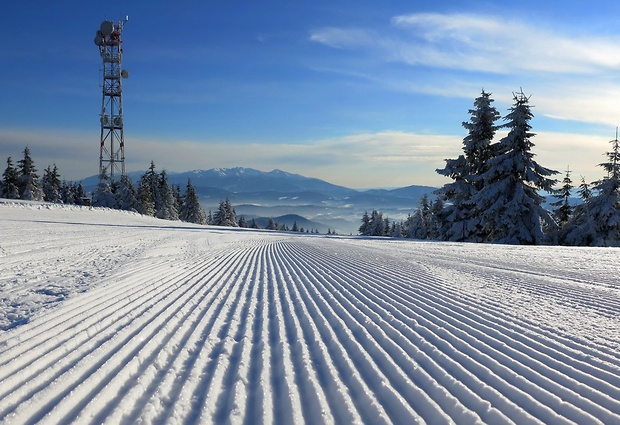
[462, 219]
[10, 181]
[242, 221]
[178, 198]
[386, 227]
[509, 201]
[164, 199]
[51, 185]
[364, 228]
[601, 225]
[377, 224]
[151, 180]
[396, 231]
[272, 224]
[374, 224]
[232, 214]
[191, 210]
[419, 224]
[80, 195]
[564, 209]
[126, 195]
[437, 218]
[146, 204]
[103, 195]
[225, 215]
[67, 193]
[579, 230]
[28, 179]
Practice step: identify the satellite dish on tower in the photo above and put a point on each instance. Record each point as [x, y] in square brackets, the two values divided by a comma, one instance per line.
[98, 40]
[106, 27]
[124, 73]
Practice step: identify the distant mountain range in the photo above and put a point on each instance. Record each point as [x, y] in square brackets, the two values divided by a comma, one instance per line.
[278, 193]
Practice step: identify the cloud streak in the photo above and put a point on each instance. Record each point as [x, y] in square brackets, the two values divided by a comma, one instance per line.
[572, 77]
[481, 40]
[478, 43]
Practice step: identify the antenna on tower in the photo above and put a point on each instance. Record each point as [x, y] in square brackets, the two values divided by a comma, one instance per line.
[112, 142]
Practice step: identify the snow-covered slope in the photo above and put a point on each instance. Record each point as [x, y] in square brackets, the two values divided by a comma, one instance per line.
[113, 317]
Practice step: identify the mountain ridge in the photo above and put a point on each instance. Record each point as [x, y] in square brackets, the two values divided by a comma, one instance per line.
[277, 193]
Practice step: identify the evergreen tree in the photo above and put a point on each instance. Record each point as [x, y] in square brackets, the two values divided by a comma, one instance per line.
[295, 227]
[462, 219]
[585, 193]
[364, 229]
[165, 199]
[564, 209]
[178, 198]
[242, 221]
[225, 215]
[419, 225]
[191, 210]
[51, 185]
[436, 218]
[272, 224]
[376, 226]
[126, 195]
[233, 215]
[28, 180]
[509, 200]
[253, 224]
[151, 180]
[601, 226]
[146, 204]
[579, 230]
[397, 230]
[66, 193]
[103, 195]
[80, 195]
[10, 179]
[386, 227]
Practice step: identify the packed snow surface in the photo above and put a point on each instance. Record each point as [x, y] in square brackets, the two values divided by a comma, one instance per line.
[111, 317]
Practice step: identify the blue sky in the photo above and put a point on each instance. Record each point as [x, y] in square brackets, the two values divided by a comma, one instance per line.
[359, 93]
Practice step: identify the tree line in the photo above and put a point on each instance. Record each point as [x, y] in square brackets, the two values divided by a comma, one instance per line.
[154, 196]
[21, 181]
[495, 192]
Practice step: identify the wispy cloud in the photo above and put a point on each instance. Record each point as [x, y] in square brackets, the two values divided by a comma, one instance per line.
[344, 38]
[572, 76]
[478, 43]
[495, 44]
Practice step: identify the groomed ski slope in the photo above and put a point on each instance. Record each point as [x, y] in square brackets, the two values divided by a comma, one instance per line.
[111, 317]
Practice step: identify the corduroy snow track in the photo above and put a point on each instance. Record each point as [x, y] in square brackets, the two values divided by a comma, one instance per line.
[196, 325]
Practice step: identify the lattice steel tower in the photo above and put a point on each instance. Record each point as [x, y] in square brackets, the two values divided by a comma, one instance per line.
[112, 149]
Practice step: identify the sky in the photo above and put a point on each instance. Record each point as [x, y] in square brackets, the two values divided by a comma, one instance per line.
[359, 93]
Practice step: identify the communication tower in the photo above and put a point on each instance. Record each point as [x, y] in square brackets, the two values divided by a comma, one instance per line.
[112, 143]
